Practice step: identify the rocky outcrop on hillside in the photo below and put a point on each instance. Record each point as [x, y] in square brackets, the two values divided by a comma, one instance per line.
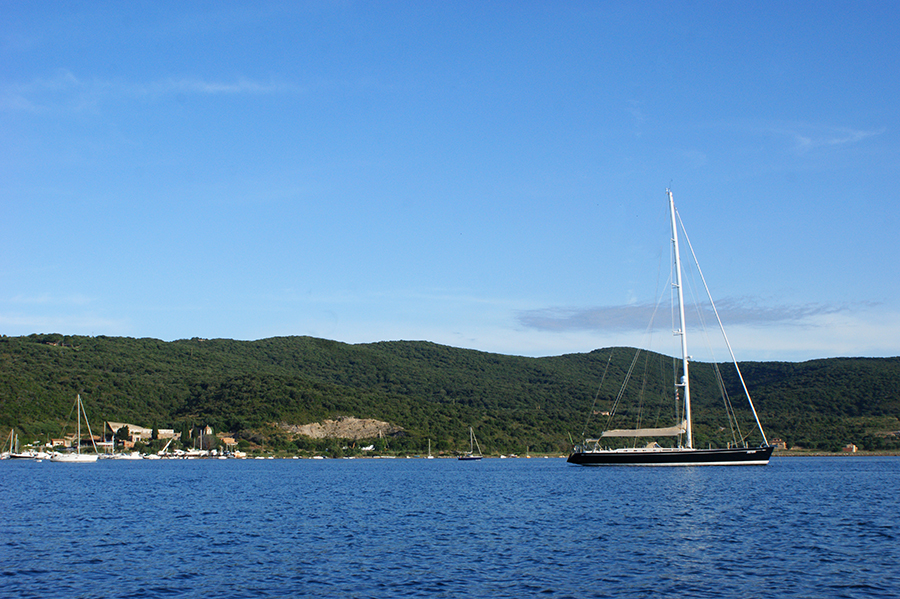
[346, 427]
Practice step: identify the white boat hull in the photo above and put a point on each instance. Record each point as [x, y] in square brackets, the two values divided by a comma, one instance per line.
[74, 457]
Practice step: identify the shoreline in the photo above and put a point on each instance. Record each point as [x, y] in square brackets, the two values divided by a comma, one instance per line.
[835, 454]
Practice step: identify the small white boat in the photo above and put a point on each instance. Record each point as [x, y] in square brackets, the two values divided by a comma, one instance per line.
[77, 456]
[134, 455]
[74, 457]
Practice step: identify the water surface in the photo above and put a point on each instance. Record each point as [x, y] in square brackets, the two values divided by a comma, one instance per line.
[800, 527]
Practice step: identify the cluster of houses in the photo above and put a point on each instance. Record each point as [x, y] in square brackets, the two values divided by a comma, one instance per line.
[106, 442]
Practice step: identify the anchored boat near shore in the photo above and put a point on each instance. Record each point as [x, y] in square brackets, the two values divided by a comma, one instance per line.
[591, 453]
[473, 444]
[77, 456]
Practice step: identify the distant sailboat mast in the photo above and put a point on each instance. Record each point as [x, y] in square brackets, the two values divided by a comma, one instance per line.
[78, 409]
[685, 379]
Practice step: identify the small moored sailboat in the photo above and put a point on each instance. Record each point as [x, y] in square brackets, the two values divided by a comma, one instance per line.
[590, 452]
[473, 444]
[15, 454]
[77, 456]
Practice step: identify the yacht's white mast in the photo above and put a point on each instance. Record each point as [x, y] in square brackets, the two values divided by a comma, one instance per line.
[685, 380]
[78, 409]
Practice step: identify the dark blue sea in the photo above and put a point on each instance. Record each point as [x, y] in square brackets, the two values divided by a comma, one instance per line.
[800, 527]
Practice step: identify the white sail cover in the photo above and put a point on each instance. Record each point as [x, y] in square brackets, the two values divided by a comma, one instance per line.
[670, 431]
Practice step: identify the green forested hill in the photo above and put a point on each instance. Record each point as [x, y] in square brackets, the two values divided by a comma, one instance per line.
[432, 391]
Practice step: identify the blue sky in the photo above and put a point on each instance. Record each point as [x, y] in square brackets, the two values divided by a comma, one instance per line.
[487, 175]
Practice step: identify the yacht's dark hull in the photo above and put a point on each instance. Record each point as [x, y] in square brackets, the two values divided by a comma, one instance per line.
[757, 456]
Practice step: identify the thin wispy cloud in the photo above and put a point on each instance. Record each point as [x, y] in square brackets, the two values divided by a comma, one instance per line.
[72, 324]
[825, 137]
[638, 317]
[807, 137]
[802, 137]
[50, 299]
[67, 92]
[637, 115]
[202, 87]
[63, 90]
